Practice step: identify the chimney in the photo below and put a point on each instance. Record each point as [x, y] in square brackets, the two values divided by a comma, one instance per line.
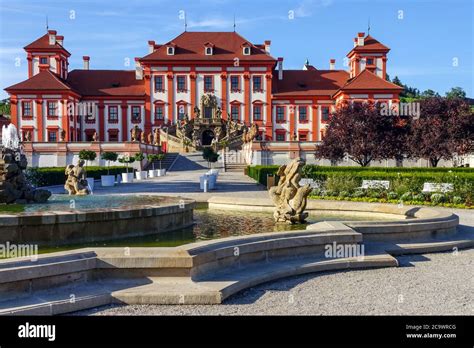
[138, 69]
[86, 62]
[60, 39]
[280, 68]
[332, 64]
[355, 42]
[267, 46]
[151, 46]
[360, 39]
[52, 37]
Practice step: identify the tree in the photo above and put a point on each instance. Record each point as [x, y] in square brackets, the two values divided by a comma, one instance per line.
[127, 160]
[109, 157]
[408, 92]
[429, 93]
[363, 133]
[456, 92]
[87, 155]
[210, 155]
[445, 128]
[5, 107]
[155, 157]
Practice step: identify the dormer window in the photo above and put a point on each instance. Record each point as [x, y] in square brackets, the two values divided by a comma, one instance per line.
[208, 51]
[170, 50]
[43, 60]
[208, 48]
[246, 51]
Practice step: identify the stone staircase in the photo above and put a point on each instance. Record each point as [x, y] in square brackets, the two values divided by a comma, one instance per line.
[166, 163]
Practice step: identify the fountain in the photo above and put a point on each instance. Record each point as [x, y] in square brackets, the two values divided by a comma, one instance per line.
[76, 182]
[14, 187]
[289, 197]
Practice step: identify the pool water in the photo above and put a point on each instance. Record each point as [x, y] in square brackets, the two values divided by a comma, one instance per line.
[208, 225]
[63, 202]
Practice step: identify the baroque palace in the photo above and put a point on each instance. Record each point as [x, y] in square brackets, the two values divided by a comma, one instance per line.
[197, 88]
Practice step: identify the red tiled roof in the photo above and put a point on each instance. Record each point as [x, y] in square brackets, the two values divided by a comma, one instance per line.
[44, 80]
[368, 80]
[106, 83]
[370, 44]
[227, 46]
[43, 43]
[309, 82]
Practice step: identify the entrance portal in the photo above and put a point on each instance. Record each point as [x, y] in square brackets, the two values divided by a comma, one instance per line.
[207, 137]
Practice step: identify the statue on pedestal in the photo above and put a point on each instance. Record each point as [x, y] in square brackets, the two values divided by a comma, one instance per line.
[76, 182]
[289, 197]
[156, 137]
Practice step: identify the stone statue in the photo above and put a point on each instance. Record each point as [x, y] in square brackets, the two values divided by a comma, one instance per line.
[197, 112]
[14, 186]
[218, 133]
[142, 137]
[156, 137]
[76, 182]
[150, 138]
[219, 113]
[135, 133]
[289, 197]
[62, 135]
[95, 137]
[294, 137]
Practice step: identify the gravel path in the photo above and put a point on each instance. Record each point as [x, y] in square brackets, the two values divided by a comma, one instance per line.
[433, 284]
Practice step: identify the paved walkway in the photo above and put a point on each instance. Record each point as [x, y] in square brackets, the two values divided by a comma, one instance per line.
[183, 180]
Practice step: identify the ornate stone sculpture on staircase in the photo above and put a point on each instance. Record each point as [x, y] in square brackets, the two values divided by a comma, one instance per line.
[289, 197]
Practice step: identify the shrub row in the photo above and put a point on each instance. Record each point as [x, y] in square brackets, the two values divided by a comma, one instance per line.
[405, 185]
[47, 176]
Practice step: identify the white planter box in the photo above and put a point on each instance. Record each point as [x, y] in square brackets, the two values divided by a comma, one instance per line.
[90, 181]
[107, 180]
[127, 177]
[152, 173]
[141, 175]
[161, 172]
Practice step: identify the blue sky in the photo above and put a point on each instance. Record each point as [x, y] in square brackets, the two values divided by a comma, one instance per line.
[431, 41]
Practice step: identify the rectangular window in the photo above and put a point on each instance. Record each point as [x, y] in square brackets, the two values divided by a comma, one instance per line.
[234, 112]
[370, 61]
[26, 107]
[159, 84]
[208, 83]
[280, 136]
[303, 136]
[181, 81]
[280, 117]
[52, 136]
[113, 114]
[43, 60]
[303, 113]
[235, 83]
[159, 113]
[52, 108]
[257, 84]
[257, 112]
[136, 113]
[325, 113]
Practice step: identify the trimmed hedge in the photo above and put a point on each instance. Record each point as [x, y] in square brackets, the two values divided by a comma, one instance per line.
[48, 176]
[406, 184]
[259, 173]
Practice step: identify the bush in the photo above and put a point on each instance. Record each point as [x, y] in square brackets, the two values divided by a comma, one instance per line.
[392, 195]
[437, 198]
[359, 193]
[344, 194]
[420, 197]
[457, 200]
[48, 176]
[407, 196]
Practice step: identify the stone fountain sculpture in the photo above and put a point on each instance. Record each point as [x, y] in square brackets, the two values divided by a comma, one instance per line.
[76, 182]
[289, 197]
[14, 187]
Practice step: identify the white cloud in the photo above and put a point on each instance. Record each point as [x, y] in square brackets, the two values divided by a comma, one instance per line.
[306, 7]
